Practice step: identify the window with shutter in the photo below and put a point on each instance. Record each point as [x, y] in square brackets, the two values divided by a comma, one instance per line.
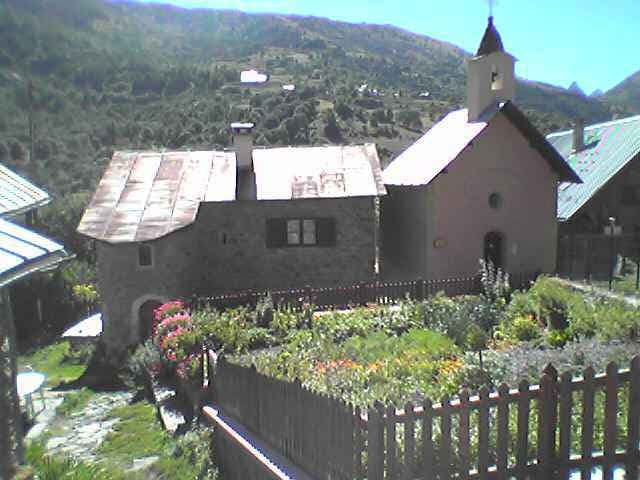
[295, 232]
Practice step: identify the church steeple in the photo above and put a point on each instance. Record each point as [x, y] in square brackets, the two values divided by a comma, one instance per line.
[491, 74]
[491, 41]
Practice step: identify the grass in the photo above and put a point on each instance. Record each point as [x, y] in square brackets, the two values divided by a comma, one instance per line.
[74, 402]
[57, 361]
[138, 434]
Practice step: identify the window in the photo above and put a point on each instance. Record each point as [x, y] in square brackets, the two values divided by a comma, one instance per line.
[309, 232]
[496, 79]
[296, 232]
[145, 255]
[495, 200]
[293, 232]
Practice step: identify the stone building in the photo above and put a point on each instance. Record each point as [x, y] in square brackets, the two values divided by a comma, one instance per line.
[176, 224]
[482, 182]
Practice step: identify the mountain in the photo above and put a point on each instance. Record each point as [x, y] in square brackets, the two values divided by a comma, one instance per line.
[597, 93]
[625, 97]
[95, 76]
[575, 88]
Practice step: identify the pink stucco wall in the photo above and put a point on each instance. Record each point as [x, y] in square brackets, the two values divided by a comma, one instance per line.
[459, 216]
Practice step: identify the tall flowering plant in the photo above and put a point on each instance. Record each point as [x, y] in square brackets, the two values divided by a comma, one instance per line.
[175, 335]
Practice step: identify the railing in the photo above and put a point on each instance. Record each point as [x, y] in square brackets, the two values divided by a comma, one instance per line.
[542, 431]
[356, 294]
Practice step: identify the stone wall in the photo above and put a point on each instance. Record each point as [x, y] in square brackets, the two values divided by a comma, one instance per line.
[225, 250]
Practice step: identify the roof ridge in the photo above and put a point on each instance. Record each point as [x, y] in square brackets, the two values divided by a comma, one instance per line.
[595, 126]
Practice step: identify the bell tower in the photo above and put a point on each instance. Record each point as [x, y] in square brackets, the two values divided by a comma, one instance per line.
[491, 74]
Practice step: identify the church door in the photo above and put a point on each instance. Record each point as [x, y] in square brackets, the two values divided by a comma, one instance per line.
[493, 248]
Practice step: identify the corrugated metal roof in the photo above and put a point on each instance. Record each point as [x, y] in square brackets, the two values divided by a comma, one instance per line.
[146, 195]
[608, 148]
[444, 142]
[18, 195]
[23, 251]
[317, 172]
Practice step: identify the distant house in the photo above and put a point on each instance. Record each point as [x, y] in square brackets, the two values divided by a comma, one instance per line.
[480, 183]
[253, 77]
[181, 223]
[607, 158]
[600, 218]
[22, 253]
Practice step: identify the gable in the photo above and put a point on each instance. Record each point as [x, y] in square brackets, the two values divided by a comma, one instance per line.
[444, 142]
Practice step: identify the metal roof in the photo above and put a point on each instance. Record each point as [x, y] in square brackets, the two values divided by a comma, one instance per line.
[317, 172]
[608, 148]
[23, 252]
[146, 195]
[18, 195]
[444, 142]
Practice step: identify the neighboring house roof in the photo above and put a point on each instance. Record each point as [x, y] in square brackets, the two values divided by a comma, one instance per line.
[146, 195]
[444, 142]
[491, 41]
[608, 148]
[18, 195]
[317, 172]
[23, 252]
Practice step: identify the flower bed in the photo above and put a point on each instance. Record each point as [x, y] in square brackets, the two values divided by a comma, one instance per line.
[408, 351]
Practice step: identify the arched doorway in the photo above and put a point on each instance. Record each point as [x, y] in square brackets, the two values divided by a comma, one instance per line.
[493, 248]
[145, 318]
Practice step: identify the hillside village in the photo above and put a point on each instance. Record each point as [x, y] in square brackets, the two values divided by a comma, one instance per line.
[311, 272]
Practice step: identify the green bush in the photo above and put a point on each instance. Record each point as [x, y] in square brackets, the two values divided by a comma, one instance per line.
[147, 358]
[523, 329]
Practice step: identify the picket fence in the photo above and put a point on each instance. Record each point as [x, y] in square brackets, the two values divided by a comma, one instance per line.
[535, 431]
[362, 293]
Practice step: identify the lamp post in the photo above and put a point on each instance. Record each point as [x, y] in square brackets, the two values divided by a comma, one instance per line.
[612, 222]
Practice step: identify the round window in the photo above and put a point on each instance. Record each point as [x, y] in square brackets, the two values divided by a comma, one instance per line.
[495, 200]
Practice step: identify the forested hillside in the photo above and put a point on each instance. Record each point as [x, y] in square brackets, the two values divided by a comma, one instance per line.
[95, 76]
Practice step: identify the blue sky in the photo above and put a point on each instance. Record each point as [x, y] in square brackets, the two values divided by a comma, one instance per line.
[556, 41]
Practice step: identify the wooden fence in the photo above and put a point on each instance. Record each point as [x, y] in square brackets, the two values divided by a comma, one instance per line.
[540, 431]
[315, 432]
[357, 294]
[535, 431]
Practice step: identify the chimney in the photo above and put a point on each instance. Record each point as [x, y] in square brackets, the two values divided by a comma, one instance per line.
[578, 135]
[242, 138]
[243, 146]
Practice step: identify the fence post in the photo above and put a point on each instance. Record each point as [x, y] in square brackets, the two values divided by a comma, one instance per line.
[633, 420]
[547, 422]
[375, 443]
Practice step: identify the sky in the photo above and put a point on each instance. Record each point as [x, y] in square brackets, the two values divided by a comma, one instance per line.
[556, 41]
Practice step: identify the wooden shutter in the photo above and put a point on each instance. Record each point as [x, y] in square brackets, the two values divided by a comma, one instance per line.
[276, 232]
[326, 232]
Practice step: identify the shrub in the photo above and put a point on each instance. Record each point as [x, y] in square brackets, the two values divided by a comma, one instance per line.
[147, 358]
[523, 329]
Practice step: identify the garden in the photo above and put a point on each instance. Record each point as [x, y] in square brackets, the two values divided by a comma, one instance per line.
[404, 352]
